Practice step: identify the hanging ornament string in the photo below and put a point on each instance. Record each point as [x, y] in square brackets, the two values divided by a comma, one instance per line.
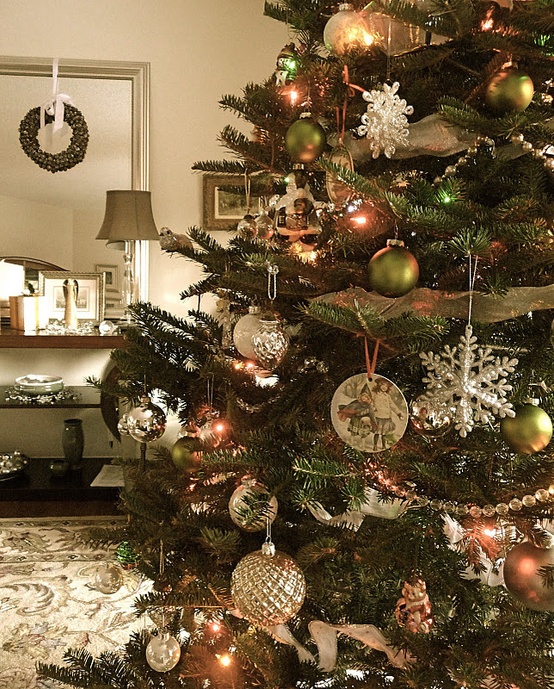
[371, 363]
[55, 106]
[272, 271]
[472, 277]
[247, 187]
[210, 392]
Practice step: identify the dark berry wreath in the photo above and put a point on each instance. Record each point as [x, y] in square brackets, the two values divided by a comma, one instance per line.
[54, 162]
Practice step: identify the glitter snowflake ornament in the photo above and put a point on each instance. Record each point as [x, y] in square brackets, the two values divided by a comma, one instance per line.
[468, 380]
[385, 124]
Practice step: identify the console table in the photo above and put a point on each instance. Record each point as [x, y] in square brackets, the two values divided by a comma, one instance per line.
[36, 493]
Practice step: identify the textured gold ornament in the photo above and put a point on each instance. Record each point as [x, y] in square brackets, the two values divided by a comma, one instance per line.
[268, 587]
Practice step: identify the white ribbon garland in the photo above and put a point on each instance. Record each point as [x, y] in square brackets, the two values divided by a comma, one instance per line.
[352, 519]
[56, 105]
[325, 637]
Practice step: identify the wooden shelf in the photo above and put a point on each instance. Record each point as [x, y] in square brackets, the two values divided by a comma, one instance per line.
[15, 340]
[87, 397]
[35, 492]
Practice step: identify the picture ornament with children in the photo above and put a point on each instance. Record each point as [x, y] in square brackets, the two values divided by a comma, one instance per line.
[369, 413]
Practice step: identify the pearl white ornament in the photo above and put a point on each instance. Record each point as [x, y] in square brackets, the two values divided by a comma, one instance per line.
[163, 652]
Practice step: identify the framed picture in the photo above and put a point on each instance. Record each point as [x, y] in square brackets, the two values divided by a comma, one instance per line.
[112, 281]
[90, 294]
[223, 207]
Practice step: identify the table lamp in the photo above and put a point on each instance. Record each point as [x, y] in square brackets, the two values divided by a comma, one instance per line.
[128, 219]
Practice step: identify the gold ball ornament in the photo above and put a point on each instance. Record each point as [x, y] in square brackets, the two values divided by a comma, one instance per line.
[146, 422]
[529, 431]
[509, 91]
[347, 31]
[393, 271]
[522, 578]
[268, 587]
[250, 505]
[305, 139]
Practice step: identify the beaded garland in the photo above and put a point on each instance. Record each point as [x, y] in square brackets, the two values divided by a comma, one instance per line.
[54, 162]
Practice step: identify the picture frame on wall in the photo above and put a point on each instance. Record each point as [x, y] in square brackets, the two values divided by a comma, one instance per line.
[222, 206]
[112, 280]
[90, 296]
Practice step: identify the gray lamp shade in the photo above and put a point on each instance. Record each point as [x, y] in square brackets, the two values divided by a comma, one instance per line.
[128, 216]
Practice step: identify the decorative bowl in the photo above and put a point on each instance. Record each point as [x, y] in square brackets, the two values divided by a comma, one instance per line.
[12, 464]
[32, 384]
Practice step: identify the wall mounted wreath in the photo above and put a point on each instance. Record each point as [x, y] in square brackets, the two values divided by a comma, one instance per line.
[54, 162]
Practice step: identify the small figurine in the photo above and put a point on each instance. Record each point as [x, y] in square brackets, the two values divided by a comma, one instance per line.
[413, 610]
[173, 242]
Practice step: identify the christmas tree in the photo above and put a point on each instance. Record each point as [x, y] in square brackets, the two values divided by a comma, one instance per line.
[362, 491]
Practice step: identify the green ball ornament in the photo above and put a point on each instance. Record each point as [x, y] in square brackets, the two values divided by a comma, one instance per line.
[305, 139]
[509, 91]
[529, 431]
[186, 454]
[393, 271]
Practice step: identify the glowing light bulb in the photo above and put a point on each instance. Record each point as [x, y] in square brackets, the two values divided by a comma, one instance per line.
[490, 532]
[219, 427]
[293, 97]
[215, 627]
[359, 220]
[224, 659]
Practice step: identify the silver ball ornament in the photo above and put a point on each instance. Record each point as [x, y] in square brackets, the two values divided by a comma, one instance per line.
[163, 652]
[244, 329]
[270, 343]
[431, 423]
[146, 422]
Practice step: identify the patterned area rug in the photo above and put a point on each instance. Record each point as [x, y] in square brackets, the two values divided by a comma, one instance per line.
[47, 599]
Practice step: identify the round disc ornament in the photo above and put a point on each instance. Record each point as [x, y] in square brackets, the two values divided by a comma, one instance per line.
[268, 587]
[29, 128]
[146, 422]
[369, 413]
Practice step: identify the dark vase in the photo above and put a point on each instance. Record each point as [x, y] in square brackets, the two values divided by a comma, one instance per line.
[73, 442]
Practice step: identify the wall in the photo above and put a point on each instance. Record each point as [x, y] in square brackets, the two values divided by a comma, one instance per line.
[198, 52]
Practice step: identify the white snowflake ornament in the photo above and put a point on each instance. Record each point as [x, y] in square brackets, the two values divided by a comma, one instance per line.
[469, 381]
[385, 124]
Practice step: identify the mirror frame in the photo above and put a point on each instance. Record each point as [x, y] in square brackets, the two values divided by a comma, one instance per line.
[138, 73]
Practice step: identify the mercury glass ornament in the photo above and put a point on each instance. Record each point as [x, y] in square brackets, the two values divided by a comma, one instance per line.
[146, 422]
[522, 578]
[431, 423]
[347, 30]
[163, 652]
[270, 343]
[122, 425]
[268, 587]
[108, 578]
[244, 329]
[251, 507]
[264, 225]
[247, 228]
